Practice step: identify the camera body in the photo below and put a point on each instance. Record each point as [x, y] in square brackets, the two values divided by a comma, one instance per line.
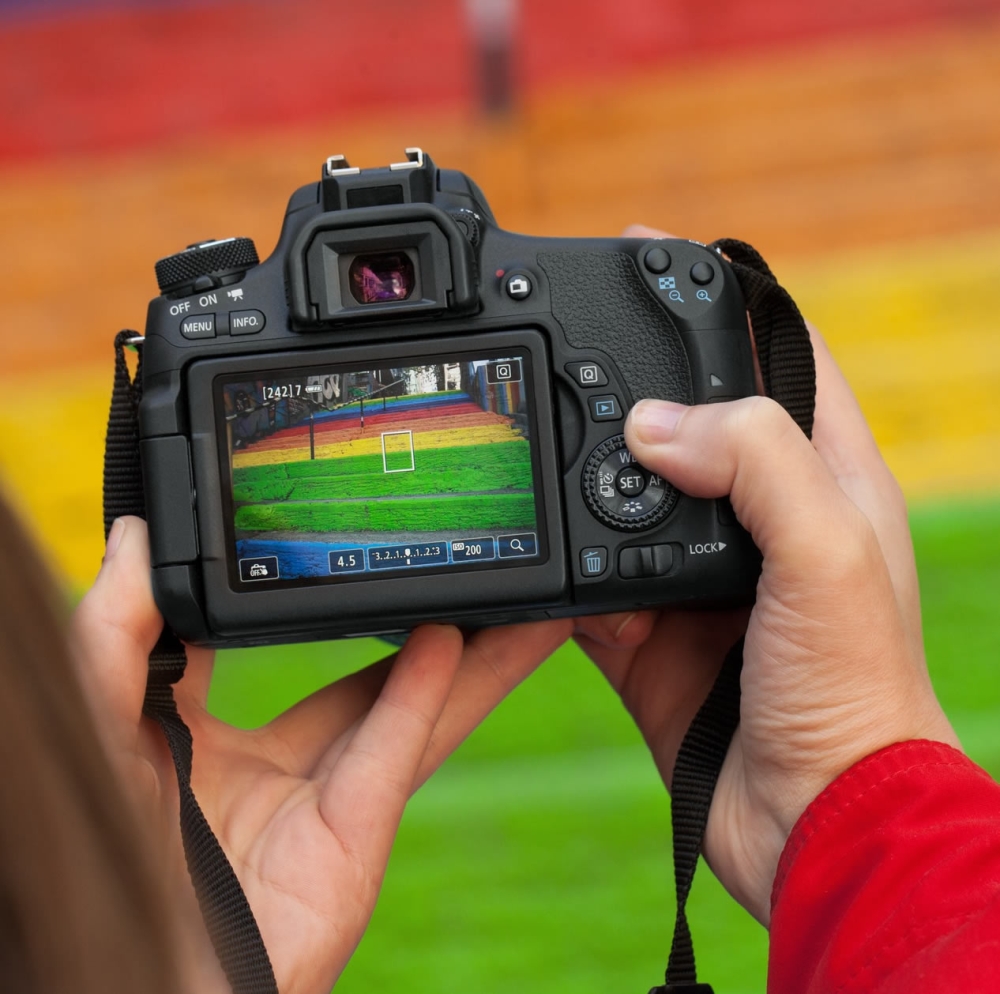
[407, 414]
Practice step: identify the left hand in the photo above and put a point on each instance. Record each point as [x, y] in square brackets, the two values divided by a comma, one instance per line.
[307, 807]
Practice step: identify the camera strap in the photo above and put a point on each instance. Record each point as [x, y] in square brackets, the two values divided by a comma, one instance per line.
[788, 371]
[789, 375]
[228, 917]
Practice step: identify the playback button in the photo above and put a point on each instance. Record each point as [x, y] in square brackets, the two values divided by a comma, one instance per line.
[606, 408]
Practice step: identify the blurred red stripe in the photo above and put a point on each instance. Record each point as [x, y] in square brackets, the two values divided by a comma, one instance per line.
[116, 79]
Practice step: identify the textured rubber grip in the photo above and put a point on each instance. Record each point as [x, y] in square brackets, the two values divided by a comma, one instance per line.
[602, 303]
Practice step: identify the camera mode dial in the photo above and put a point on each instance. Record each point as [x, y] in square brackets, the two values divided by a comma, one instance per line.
[205, 265]
[620, 492]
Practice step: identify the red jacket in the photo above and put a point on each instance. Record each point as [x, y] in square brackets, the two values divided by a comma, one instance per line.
[890, 881]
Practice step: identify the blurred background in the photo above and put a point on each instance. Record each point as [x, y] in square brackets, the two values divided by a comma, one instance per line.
[857, 145]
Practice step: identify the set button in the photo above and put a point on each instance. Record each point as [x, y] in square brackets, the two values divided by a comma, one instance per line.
[631, 481]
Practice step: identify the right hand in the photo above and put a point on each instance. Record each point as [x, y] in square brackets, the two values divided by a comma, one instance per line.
[834, 666]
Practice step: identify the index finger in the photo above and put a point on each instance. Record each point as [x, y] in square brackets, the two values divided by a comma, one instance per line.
[846, 445]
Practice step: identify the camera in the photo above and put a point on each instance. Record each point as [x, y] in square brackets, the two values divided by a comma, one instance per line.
[407, 414]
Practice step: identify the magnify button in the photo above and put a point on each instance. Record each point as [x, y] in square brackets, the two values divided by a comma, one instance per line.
[515, 546]
[703, 295]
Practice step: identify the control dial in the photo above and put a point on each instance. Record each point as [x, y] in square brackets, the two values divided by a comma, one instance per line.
[620, 492]
[205, 265]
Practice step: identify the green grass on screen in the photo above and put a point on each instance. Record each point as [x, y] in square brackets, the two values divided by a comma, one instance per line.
[538, 859]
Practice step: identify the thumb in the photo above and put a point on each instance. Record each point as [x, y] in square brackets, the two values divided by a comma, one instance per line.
[752, 450]
[116, 626]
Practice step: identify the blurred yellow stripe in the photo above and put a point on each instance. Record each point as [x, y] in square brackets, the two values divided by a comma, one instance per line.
[51, 462]
[917, 332]
[915, 329]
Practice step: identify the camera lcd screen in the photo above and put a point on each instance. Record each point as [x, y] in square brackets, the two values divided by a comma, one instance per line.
[351, 474]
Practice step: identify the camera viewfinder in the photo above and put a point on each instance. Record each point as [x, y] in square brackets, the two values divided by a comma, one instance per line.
[379, 277]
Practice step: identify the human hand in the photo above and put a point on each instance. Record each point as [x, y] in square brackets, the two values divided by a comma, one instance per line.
[833, 662]
[307, 807]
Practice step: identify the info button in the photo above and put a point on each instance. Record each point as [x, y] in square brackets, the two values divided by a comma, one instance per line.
[245, 322]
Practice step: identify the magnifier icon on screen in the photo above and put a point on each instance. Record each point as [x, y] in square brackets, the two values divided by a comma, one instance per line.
[676, 295]
[515, 544]
[703, 295]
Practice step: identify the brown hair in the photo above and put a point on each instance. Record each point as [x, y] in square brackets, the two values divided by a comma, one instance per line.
[82, 907]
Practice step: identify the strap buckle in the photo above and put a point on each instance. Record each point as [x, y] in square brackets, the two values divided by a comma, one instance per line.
[682, 989]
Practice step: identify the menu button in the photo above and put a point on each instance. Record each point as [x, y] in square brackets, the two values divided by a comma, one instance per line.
[198, 326]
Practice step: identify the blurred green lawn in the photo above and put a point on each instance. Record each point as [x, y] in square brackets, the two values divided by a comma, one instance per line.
[538, 859]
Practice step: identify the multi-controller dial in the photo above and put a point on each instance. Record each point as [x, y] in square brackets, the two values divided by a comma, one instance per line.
[620, 492]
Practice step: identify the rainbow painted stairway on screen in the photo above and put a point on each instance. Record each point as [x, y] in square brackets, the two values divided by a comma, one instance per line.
[405, 470]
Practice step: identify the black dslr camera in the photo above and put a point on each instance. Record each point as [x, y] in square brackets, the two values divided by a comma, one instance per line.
[407, 414]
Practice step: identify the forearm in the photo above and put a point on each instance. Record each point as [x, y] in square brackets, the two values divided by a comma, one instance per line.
[890, 880]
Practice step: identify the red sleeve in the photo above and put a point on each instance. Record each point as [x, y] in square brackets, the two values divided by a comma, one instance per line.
[890, 881]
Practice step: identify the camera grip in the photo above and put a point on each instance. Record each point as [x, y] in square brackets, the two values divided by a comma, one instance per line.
[602, 303]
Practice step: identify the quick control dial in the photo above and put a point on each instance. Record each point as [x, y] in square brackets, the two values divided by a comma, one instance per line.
[620, 492]
[205, 265]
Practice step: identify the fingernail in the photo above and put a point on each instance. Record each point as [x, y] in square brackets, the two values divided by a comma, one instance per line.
[624, 624]
[655, 421]
[114, 538]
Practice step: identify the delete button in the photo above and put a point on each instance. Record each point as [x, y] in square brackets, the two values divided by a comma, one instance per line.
[245, 322]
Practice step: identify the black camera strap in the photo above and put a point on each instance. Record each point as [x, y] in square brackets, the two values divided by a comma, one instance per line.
[228, 917]
[789, 375]
[788, 370]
